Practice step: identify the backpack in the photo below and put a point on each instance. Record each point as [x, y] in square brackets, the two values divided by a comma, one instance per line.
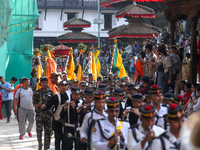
[176, 66]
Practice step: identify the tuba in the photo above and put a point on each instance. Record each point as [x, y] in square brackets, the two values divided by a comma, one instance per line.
[190, 132]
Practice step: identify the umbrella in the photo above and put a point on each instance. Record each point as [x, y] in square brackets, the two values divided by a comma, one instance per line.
[61, 50]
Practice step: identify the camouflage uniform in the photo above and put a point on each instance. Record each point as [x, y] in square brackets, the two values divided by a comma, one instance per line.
[43, 118]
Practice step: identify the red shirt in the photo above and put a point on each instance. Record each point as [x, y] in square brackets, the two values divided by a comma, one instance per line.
[145, 90]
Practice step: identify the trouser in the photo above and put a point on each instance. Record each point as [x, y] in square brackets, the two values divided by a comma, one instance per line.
[69, 141]
[59, 136]
[160, 79]
[25, 114]
[43, 121]
[165, 84]
[79, 145]
[7, 105]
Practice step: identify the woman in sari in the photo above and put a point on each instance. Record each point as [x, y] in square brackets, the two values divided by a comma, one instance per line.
[188, 108]
[138, 64]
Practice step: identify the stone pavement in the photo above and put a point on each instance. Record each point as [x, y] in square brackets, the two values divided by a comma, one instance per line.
[9, 137]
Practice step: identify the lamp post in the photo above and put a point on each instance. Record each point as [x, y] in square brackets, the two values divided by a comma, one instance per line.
[98, 23]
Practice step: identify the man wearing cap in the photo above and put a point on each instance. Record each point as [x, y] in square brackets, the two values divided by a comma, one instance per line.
[148, 96]
[83, 77]
[97, 113]
[131, 90]
[168, 98]
[123, 86]
[57, 100]
[82, 86]
[53, 83]
[112, 83]
[141, 135]
[91, 80]
[86, 106]
[161, 110]
[170, 140]
[119, 94]
[145, 82]
[43, 118]
[69, 115]
[179, 100]
[126, 79]
[74, 83]
[103, 133]
[102, 87]
[64, 76]
[133, 113]
[99, 80]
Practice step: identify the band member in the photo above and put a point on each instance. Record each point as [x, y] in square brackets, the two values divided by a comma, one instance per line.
[123, 86]
[133, 113]
[168, 98]
[119, 94]
[97, 113]
[179, 100]
[148, 96]
[69, 115]
[82, 86]
[86, 106]
[170, 139]
[161, 110]
[57, 125]
[110, 133]
[140, 135]
[131, 90]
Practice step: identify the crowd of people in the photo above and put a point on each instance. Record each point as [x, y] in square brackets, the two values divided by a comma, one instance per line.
[144, 110]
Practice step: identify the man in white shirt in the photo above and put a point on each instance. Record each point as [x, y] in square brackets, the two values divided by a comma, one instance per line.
[104, 136]
[129, 49]
[158, 38]
[170, 140]
[140, 136]
[25, 108]
[12, 82]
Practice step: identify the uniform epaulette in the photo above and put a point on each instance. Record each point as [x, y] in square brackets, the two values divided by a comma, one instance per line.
[165, 105]
[134, 126]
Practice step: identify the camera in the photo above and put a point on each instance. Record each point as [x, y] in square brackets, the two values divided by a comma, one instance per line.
[1, 87]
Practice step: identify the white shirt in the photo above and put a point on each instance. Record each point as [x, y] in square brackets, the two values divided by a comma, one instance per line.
[140, 135]
[129, 49]
[197, 106]
[87, 120]
[11, 93]
[156, 145]
[163, 111]
[26, 98]
[100, 143]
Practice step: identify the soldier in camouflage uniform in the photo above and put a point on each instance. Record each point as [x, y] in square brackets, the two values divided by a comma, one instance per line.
[91, 82]
[43, 118]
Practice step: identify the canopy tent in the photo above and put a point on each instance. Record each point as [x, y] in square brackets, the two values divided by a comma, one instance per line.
[61, 51]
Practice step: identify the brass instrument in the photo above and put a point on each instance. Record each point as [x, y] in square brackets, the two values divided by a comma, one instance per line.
[83, 106]
[116, 135]
[190, 132]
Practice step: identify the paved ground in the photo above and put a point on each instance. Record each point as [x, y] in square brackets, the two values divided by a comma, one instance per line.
[9, 137]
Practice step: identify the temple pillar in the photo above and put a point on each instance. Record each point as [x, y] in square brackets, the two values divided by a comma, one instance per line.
[172, 30]
[193, 51]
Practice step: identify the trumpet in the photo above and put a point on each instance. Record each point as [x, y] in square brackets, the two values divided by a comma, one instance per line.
[83, 106]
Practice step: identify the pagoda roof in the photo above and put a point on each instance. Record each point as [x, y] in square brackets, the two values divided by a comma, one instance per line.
[133, 30]
[108, 3]
[77, 23]
[77, 37]
[135, 11]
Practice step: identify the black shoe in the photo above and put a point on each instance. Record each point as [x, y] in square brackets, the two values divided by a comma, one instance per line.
[8, 121]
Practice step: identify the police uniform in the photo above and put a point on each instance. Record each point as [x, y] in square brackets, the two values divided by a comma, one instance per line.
[178, 99]
[167, 141]
[162, 113]
[92, 84]
[85, 130]
[70, 116]
[43, 118]
[136, 133]
[129, 87]
[57, 125]
[81, 84]
[132, 117]
[122, 105]
[81, 116]
[104, 131]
